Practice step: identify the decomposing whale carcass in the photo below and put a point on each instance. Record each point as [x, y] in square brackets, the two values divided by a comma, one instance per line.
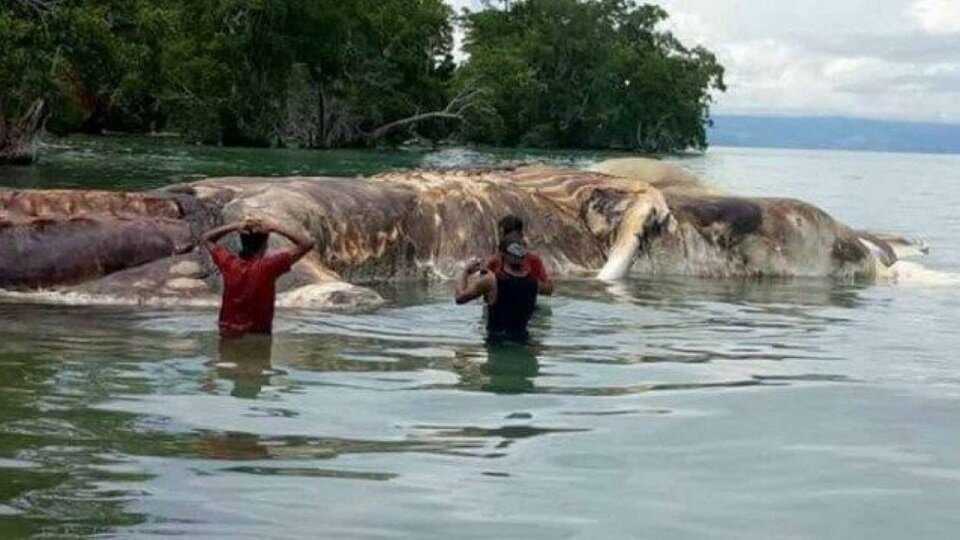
[718, 235]
[62, 237]
[638, 215]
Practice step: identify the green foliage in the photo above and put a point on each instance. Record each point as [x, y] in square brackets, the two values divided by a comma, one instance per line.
[321, 72]
[27, 57]
[378, 61]
[227, 67]
[577, 73]
[87, 58]
[324, 73]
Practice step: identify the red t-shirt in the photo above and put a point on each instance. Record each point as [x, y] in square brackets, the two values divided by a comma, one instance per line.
[531, 263]
[249, 290]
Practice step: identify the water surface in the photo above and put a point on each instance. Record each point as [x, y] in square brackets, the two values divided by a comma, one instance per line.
[141, 162]
[675, 408]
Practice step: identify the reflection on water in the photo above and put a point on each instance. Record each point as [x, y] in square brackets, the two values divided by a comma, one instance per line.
[247, 362]
[500, 367]
[114, 420]
[672, 408]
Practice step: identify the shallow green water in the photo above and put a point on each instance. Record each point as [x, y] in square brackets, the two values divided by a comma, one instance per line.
[135, 163]
[674, 408]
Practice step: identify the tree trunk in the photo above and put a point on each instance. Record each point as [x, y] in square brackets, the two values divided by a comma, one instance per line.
[321, 117]
[96, 121]
[18, 137]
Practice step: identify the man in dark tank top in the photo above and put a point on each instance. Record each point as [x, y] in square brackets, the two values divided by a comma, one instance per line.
[510, 292]
[531, 261]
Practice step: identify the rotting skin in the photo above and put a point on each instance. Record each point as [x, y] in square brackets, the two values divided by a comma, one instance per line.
[419, 225]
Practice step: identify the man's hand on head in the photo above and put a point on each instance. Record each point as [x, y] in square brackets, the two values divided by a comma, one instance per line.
[474, 266]
[254, 225]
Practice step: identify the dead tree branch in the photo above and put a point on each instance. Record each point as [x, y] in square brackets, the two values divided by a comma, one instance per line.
[39, 7]
[454, 110]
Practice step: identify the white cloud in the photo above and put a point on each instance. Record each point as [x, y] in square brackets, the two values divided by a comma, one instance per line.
[874, 58]
[937, 16]
[692, 26]
[458, 5]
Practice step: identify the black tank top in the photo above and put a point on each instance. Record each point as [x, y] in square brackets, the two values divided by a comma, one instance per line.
[516, 300]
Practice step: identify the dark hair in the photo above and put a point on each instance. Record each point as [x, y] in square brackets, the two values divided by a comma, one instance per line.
[510, 238]
[252, 244]
[510, 223]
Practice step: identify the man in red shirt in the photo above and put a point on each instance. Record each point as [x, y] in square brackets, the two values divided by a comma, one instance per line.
[531, 264]
[249, 278]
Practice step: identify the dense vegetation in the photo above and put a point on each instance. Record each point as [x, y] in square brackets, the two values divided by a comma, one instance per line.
[330, 73]
[587, 74]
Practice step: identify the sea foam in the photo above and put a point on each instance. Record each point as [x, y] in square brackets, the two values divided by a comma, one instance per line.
[914, 273]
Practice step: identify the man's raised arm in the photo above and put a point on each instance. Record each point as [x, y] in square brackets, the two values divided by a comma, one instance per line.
[302, 244]
[468, 289]
[211, 237]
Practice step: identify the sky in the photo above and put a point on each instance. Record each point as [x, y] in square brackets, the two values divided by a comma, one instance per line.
[883, 59]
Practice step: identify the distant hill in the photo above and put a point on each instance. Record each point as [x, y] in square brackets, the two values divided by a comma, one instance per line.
[834, 133]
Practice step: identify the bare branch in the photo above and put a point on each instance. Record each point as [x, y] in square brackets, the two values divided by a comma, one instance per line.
[18, 137]
[453, 111]
[40, 7]
[32, 121]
